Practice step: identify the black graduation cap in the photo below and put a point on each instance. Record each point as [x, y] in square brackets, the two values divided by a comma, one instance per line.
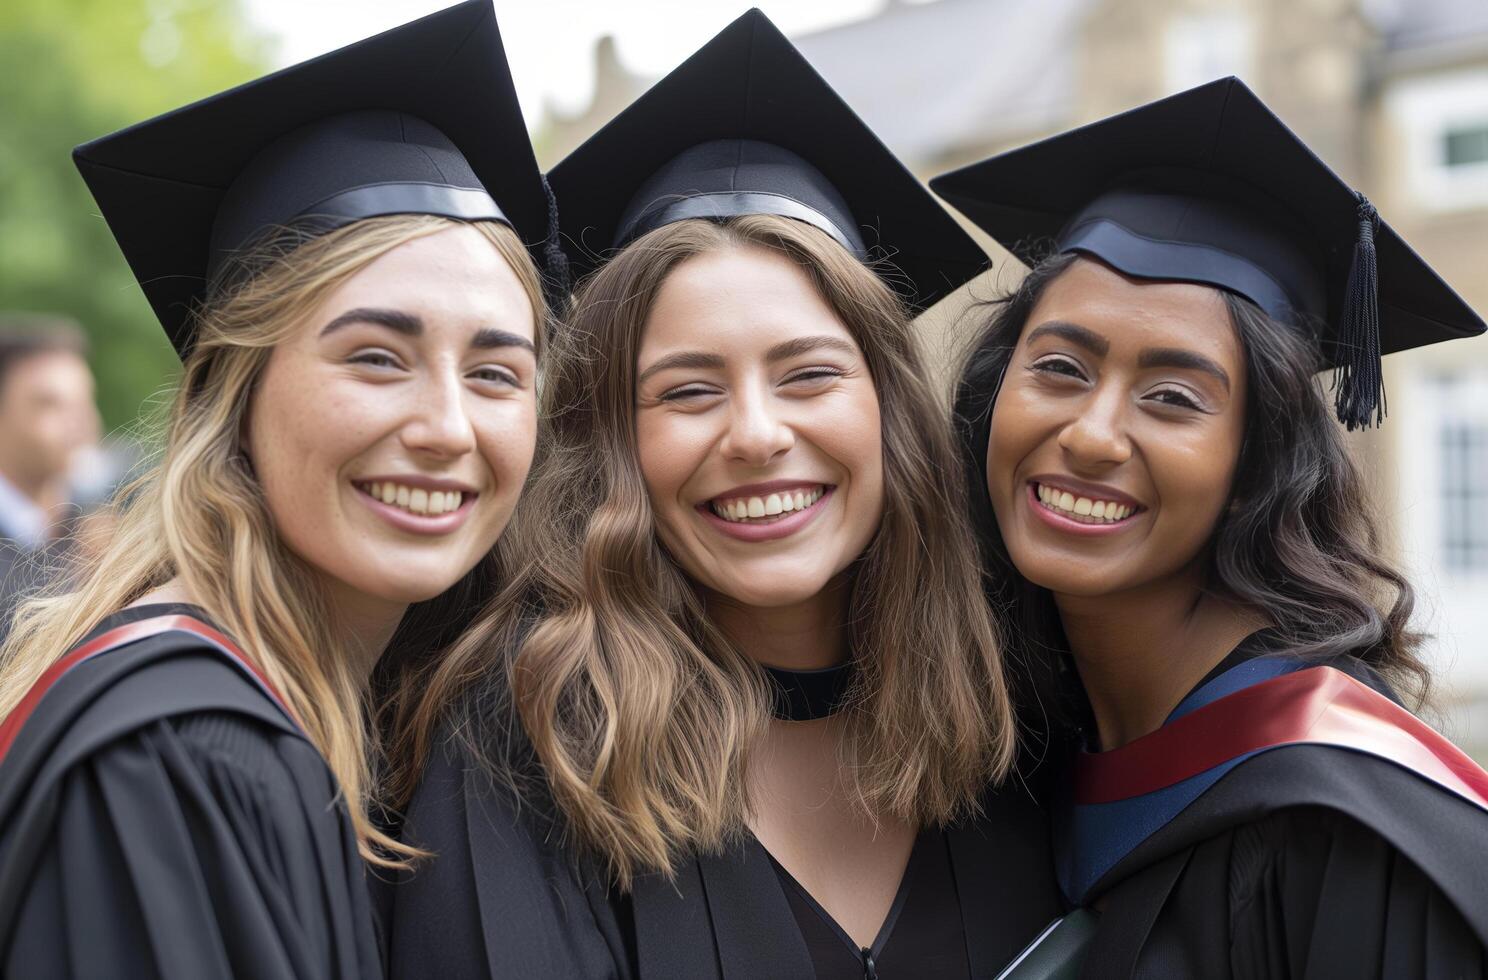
[422, 119]
[1209, 186]
[747, 126]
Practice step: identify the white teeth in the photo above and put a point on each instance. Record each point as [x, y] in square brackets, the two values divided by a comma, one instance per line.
[770, 505]
[1095, 511]
[430, 502]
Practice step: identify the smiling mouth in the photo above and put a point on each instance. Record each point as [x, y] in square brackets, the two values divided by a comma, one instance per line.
[415, 500]
[767, 508]
[1082, 510]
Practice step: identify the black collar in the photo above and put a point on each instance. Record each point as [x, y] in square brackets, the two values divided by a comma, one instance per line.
[806, 695]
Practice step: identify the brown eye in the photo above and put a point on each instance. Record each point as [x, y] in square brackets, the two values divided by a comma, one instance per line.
[814, 374]
[684, 393]
[495, 375]
[374, 358]
[1176, 398]
[1058, 365]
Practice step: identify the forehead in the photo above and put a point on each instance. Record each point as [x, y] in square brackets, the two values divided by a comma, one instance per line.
[455, 275]
[737, 301]
[45, 368]
[1135, 313]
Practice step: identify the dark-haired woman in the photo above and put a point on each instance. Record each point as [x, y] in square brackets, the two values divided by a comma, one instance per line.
[1184, 551]
[760, 699]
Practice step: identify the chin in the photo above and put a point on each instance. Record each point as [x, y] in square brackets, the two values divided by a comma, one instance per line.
[1061, 582]
[407, 582]
[774, 596]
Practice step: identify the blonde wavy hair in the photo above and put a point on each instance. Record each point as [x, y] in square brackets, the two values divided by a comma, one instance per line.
[198, 514]
[642, 714]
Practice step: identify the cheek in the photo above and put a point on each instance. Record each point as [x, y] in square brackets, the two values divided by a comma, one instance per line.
[1193, 478]
[860, 438]
[669, 449]
[1016, 430]
[507, 435]
[300, 432]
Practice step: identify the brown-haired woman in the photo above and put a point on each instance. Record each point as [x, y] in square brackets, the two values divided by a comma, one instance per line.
[760, 699]
[1183, 550]
[186, 777]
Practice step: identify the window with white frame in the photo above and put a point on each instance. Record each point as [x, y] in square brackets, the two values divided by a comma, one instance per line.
[1444, 122]
[1464, 494]
[1199, 48]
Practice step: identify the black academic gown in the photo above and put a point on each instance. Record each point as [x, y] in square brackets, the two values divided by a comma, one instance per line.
[1303, 861]
[502, 897]
[160, 816]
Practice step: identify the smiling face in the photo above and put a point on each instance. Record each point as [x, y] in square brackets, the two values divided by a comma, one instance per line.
[392, 431]
[757, 429]
[1116, 432]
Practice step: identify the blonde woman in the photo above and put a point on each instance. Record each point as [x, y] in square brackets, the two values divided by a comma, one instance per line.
[186, 776]
[760, 700]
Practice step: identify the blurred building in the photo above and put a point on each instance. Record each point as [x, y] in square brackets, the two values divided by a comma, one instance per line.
[1392, 93]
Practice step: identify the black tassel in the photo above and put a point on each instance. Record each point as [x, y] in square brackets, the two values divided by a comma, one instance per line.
[1359, 376]
[554, 258]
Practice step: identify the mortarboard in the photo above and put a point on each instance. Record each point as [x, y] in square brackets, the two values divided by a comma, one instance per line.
[421, 119]
[747, 126]
[1209, 186]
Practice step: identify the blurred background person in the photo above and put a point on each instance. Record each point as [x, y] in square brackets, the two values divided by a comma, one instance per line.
[49, 429]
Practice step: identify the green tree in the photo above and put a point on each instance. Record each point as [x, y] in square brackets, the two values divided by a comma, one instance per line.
[75, 70]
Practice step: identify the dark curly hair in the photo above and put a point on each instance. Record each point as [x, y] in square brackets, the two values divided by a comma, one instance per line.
[1297, 540]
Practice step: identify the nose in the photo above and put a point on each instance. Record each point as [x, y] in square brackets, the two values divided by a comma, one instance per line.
[1096, 438]
[440, 424]
[756, 432]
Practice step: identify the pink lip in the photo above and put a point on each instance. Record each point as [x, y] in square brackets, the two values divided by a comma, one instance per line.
[1059, 523]
[784, 527]
[416, 523]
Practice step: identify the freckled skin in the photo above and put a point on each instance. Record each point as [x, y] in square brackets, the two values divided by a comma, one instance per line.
[813, 416]
[365, 401]
[1109, 420]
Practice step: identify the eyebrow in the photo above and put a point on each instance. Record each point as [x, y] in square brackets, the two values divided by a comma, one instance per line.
[408, 325]
[404, 323]
[490, 338]
[780, 352]
[682, 359]
[1174, 357]
[1074, 333]
[805, 345]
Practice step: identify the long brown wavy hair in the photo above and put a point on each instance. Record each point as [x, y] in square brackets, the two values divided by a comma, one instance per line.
[640, 714]
[1298, 541]
[198, 515]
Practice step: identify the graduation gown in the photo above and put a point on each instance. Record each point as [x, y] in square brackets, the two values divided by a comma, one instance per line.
[503, 898]
[1289, 819]
[161, 815]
